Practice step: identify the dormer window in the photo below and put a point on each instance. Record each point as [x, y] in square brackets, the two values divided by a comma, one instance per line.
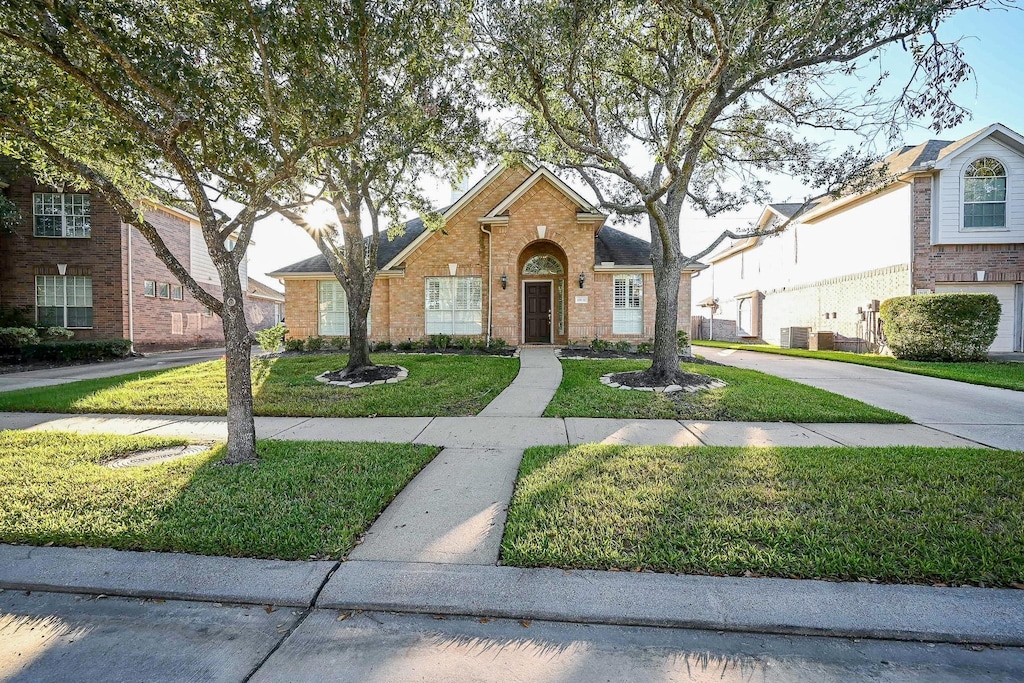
[985, 194]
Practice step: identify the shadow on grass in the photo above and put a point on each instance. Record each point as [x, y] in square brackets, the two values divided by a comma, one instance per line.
[301, 500]
[911, 515]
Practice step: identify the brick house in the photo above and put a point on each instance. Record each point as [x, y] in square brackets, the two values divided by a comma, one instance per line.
[951, 219]
[523, 258]
[71, 262]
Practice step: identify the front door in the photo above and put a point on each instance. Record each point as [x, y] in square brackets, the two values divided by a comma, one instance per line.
[538, 312]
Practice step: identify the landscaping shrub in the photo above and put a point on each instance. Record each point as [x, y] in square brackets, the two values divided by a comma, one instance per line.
[340, 343]
[623, 346]
[408, 345]
[55, 334]
[16, 317]
[66, 351]
[14, 338]
[940, 327]
[600, 345]
[382, 346]
[315, 344]
[440, 341]
[645, 346]
[295, 344]
[466, 343]
[682, 341]
[271, 338]
[496, 344]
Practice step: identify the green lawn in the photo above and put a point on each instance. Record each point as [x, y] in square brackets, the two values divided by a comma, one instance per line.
[907, 515]
[437, 385]
[301, 500]
[749, 396]
[993, 374]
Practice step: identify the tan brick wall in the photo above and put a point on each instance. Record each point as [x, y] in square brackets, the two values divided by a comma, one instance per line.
[959, 262]
[397, 308]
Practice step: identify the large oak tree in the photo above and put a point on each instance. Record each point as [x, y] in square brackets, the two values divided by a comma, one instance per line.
[656, 105]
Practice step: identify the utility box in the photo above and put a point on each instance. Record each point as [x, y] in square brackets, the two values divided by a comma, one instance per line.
[794, 337]
[822, 341]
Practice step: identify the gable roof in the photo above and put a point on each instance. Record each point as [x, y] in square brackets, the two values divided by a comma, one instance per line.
[533, 179]
[263, 291]
[621, 248]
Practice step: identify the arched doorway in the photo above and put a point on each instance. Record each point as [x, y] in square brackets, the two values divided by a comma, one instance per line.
[542, 274]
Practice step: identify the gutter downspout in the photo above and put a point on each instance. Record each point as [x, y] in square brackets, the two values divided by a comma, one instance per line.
[131, 297]
[490, 280]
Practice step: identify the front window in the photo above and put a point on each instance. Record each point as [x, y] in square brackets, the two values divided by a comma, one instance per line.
[61, 215]
[64, 301]
[985, 195]
[453, 305]
[628, 305]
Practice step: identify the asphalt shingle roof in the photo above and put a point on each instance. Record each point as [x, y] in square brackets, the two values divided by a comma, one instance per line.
[386, 250]
[621, 248]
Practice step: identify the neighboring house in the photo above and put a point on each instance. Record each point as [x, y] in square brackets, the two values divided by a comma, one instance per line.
[70, 260]
[264, 305]
[522, 257]
[950, 220]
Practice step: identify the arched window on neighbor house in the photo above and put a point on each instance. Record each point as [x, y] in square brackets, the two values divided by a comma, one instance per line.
[542, 264]
[985, 194]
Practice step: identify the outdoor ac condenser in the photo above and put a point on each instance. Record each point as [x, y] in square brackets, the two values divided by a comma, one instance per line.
[794, 337]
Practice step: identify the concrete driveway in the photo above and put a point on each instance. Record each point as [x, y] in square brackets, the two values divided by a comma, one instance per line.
[991, 416]
[72, 373]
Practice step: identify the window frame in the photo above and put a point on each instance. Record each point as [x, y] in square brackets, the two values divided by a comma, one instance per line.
[631, 280]
[1005, 201]
[163, 290]
[63, 279]
[473, 299]
[177, 292]
[64, 215]
[149, 288]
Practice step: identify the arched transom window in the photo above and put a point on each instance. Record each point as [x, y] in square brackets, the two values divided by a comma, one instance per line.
[985, 194]
[543, 264]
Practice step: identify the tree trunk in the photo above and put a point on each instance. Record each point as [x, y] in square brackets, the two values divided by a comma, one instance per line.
[359, 345]
[667, 273]
[238, 346]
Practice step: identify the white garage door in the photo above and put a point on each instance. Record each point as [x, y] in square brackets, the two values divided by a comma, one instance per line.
[1008, 334]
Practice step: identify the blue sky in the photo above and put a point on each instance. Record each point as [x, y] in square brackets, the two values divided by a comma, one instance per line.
[993, 42]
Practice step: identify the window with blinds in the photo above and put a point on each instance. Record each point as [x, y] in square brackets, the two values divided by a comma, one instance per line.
[64, 301]
[453, 305]
[333, 310]
[628, 305]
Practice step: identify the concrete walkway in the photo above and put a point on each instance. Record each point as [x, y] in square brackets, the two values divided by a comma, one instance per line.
[994, 417]
[31, 379]
[540, 373]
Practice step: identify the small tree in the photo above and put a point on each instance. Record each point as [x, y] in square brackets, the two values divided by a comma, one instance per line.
[126, 97]
[655, 105]
[403, 64]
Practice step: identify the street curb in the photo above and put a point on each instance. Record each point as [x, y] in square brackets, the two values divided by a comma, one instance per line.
[168, 576]
[754, 605]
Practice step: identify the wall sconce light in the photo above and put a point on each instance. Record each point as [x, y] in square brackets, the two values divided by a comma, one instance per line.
[504, 281]
[583, 278]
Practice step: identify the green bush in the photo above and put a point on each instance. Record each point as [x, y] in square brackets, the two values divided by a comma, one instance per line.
[295, 344]
[440, 341]
[16, 317]
[382, 346]
[600, 345]
[682, 341]
[271, 338]
[13, 338]
[65, 351]
[55, 333]
[340, 343]
[623, 346]
[940, 327]
[408, 345]
[315, 344]
[645, 346]
[466, 343]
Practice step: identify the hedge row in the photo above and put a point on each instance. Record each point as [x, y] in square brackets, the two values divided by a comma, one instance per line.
[940, 327]
[58, 352]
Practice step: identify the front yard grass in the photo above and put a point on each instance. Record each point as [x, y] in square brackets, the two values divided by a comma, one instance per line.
[905, 515]
[750, 396]
[301, 500]
[437, 385]
[990, 373]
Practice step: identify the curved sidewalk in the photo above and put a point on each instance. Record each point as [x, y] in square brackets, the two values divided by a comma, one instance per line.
[540, 373]
[988, 415]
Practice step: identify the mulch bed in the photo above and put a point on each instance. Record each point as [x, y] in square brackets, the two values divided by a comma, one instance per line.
[612, 354]
[507, 352]
[374, 373]
[639, 378]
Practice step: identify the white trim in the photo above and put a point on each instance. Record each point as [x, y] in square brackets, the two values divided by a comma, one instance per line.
[533, 180]
[962, 188]
[551, 309]
[451, 211]
[383, 274]
[1007, 136]
[624, 269]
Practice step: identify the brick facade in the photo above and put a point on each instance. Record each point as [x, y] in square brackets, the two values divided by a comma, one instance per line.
[935, 263]
[154, 323]
[397, 308]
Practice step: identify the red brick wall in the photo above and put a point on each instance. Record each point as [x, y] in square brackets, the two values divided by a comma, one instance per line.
[23, 256]
[959, 262]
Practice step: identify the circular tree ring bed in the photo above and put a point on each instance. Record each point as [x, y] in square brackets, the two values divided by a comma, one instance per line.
[639, 380]
[365, 377]
[154, 456]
